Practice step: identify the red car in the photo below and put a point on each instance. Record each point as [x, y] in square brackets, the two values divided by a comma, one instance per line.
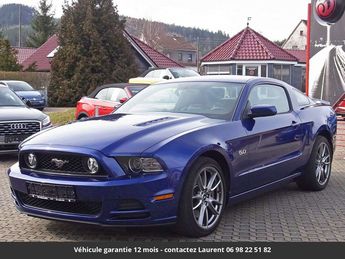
[104, 99]
[339, 107]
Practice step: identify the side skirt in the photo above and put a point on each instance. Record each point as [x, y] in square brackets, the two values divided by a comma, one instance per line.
[262, 189]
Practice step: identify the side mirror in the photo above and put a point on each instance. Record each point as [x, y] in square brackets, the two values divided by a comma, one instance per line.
[123, 100]
[28, 103]
[262, 111]
[166, 77]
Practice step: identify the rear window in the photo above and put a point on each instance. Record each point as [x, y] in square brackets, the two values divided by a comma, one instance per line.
[20, 86]
[301, 98]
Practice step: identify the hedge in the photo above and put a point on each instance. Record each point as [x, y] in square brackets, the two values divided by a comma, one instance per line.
[38, 80]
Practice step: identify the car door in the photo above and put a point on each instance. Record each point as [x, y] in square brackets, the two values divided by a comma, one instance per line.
[267, 152]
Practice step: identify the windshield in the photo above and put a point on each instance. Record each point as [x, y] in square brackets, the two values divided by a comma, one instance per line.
[212, 99]
[8, 98]
[20, 86]
[135, 89]
[182, 72]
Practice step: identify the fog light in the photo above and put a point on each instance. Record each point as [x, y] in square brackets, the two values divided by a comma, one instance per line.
[31, 161]
[92, 165]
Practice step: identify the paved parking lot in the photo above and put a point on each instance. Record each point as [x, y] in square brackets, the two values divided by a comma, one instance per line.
[284, 215]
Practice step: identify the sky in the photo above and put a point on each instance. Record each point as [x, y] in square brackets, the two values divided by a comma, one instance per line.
[275, 19]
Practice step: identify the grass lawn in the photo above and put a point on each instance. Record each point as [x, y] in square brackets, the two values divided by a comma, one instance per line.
[61, 118]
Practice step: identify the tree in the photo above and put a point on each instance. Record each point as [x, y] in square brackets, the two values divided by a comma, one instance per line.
[43, 25]
[8, 59]
[152, 31]
[93, 51]
[280, 42]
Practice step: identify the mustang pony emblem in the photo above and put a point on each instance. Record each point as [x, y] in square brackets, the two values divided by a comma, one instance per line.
[59, 163]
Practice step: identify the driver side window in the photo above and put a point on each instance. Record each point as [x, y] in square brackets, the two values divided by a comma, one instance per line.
[271, 95]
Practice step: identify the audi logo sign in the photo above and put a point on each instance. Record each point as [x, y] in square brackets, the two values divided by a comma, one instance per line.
[18, 126]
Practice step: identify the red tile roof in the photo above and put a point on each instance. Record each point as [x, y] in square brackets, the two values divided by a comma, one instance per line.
[248, 45]
[160, 60]
[301, 55]
[39, 57]
[24, 53]
[43, 63]
[174, 42]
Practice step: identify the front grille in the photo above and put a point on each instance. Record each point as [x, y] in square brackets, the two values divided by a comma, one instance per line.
[85, 208]
[8, 147]
[19, 128]
[74, 164]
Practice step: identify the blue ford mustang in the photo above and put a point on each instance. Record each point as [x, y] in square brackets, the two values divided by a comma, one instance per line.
[177, 153]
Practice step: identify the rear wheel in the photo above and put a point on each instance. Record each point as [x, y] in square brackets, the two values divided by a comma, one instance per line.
[318, 170]
[82, 117]
[203, 199]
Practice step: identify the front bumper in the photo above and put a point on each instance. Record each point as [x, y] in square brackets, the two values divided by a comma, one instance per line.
[119, 202]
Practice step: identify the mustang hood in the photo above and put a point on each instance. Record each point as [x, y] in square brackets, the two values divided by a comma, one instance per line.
[120, 134]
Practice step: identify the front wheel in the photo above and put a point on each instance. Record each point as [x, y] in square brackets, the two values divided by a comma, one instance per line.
[318, 170]
[203, 199]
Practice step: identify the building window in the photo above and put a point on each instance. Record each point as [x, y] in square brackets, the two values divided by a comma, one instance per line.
[252, 70]
[301, 33]
[179, 56]
[239, 70]
[218, 70]
[303, 79]
[282, 72]
[190, 58]
[263, 71]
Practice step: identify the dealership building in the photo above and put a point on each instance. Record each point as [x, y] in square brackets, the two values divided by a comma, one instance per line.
[251, 54]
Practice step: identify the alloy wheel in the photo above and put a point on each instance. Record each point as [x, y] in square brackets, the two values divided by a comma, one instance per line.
[323, 164]
[208, 197]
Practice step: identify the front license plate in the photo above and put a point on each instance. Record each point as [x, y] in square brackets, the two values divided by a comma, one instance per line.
[51, 192]
[14, 139]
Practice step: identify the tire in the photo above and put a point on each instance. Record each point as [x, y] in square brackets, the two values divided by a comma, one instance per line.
[316, 174]
[82, 117]
[195, 200]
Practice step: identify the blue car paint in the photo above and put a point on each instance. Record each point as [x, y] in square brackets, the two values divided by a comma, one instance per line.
[35, 97]
[276, 150]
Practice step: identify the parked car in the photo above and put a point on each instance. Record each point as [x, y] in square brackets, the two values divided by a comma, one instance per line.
[17, 121]
[158, 74]
[105, 99]
[339, 107]
[178, 153]
[27, 92]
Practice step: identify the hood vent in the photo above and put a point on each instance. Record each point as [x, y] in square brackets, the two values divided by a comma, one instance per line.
[148, 123]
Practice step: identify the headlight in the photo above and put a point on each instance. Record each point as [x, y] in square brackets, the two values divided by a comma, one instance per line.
[46, 121]
[138, 165]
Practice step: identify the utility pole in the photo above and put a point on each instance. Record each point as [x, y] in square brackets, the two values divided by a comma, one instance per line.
[20, 26]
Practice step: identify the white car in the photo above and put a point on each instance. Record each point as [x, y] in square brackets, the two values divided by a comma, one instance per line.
[158, 74]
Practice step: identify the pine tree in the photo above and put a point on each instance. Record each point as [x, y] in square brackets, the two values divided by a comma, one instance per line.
[8, 59]
[43, 25]
[93, 51]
